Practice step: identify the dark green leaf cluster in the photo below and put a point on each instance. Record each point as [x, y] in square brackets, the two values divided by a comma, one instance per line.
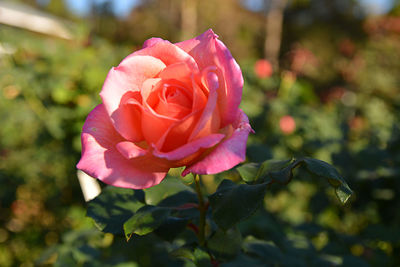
[124, 211]
[177, 217]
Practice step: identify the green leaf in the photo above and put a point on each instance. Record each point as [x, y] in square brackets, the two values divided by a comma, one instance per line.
[202, 258]
[284, 175]
[86, 253]
[113, 207]
[169, 186]
[171, 228]
[183, 203]
[322, 169]
[145, 220]
[225, 244]
[183, 253]
[192, 254]
[232, 202]
[179, 199]
[273, 165]
[251, 172]
[282, 172]
[265, 251]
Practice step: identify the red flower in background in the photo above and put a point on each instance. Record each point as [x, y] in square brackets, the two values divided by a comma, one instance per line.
[263, 68]
[287, 124]
[302, 59]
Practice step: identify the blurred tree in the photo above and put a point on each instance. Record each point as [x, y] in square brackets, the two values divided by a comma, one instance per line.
[58, 8]
[188, 19]
[273, 32]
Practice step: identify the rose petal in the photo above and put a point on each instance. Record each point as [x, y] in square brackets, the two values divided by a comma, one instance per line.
[128, 116]
[172, 110]
[129, 150]
[152, 41]
[153, 93]
[148, 88]
[199, 96]
[190, 148]
[201, 48]
[180, 71]
[228, 153]
[166, 52]
[209, 121]
[230, 98]
[174, 101]
[127, 77]
[178, 133]
[153, 125]
[101, 159]
[207, 50]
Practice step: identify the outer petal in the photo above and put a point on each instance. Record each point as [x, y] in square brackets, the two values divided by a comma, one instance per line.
[166, 52]
[202, 49]
[207, 50]
[228, 153]
[209, 121]
[229, 99]
[129, 150]
[101, 158]
[152, 41]
[128, 76]
[190, 148]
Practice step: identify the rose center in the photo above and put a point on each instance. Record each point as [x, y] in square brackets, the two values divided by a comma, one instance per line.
[175, 95]
[173, 101]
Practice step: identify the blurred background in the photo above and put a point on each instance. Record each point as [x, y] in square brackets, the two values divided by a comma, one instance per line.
[322, 79]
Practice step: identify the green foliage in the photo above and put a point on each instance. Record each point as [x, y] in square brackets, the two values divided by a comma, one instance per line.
[232, 203]
[113, 207]
[245, 199]
[282, 172]
[225, 244]
[145, 220]
[324, 170]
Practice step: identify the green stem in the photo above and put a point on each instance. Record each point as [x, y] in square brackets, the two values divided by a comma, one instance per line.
[202, 209]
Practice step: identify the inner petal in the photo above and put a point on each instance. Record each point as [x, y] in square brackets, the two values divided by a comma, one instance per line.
[173, 100]
[128, 116]
[173, 94]
[179, 71]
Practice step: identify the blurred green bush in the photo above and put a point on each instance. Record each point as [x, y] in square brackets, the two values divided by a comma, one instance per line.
[342, 93]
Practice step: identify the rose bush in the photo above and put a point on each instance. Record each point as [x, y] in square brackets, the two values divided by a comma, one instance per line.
[164, 106]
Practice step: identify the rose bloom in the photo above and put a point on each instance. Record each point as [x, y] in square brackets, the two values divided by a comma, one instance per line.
[165, 106]
[263, 68]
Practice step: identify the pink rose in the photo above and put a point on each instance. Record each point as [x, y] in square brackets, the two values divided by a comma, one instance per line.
[165, 106]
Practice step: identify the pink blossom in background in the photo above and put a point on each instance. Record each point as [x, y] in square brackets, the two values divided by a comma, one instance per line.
[263, 68]
[164, 106]
[287, 124]
[302, 60]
